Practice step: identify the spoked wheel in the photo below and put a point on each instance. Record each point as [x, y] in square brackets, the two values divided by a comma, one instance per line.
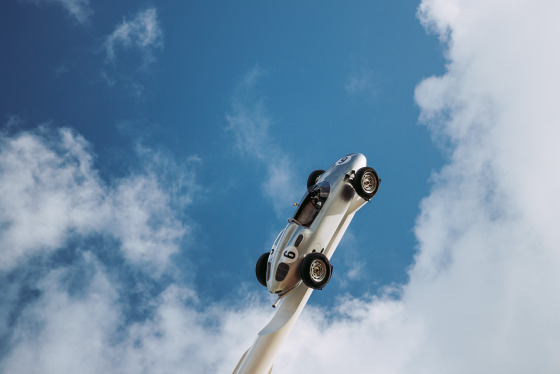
[315, 270]
[366, 182]
[313, 177]
[260, 269]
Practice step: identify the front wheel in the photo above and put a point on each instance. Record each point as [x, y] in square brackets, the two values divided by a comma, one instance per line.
[366, 183]
[315, 270]
[260, 269]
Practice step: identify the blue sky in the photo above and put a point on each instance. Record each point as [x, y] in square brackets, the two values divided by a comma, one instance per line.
[151, 151]
[328, 81]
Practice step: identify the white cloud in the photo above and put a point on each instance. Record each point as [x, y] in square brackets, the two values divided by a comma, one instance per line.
[88, 331]
[249, 123]
[361, 81]
[183, 335]
[482, 291]
[45, 193]
[481, 296]
[356, 270]
[142, 33]
[50, 191]
[71, 312]
[487, 232]
[61, 333]
[79, 9]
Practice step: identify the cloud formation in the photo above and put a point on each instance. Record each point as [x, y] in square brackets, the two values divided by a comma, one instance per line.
[78, 9]
[249, 123]
[50, 192]
[141, 33]
[82, 288]
[482, 291]
[361, 82]
[480, 295]
[89, 332]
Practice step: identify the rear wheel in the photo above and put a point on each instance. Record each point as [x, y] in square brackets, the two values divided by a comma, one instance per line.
[313, 177]
[315, 270]
[366, 182]
[260, 269]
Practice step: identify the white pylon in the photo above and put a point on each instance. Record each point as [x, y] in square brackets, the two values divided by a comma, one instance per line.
[260, 357]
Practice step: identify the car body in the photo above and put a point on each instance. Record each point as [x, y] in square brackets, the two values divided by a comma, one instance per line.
[302, 250]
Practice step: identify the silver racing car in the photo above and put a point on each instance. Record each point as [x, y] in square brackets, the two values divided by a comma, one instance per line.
[302, 250]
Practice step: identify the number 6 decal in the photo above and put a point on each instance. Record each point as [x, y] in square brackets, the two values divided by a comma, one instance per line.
[290, 254]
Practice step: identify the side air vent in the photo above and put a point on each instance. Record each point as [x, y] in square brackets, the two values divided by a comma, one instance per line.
[298, 240]
[282, 271]
[267, 271]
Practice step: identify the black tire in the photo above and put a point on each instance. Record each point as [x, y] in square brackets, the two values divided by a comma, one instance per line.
[366, 183]
[313, 177]
[260, 269]
[315, 270]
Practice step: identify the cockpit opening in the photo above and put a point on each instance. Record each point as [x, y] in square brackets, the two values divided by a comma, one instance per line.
[311, 204]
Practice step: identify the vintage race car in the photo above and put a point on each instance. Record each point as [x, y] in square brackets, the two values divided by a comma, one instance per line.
[302, 250]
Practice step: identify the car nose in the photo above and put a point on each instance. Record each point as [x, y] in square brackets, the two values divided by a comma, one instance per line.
[274, 287]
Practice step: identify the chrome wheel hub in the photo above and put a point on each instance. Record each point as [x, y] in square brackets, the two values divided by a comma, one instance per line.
[369, 183]
[318, 270]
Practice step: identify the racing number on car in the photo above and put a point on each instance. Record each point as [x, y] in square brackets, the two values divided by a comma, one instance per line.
[343, 160]
[290, 254]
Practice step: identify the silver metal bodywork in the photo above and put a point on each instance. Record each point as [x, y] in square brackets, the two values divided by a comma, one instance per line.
[319, 232]
[318, 224]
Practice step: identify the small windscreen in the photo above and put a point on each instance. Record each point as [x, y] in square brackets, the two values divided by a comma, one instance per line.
[311, 204]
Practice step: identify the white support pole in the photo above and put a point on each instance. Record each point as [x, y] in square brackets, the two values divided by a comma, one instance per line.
[260, 357]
